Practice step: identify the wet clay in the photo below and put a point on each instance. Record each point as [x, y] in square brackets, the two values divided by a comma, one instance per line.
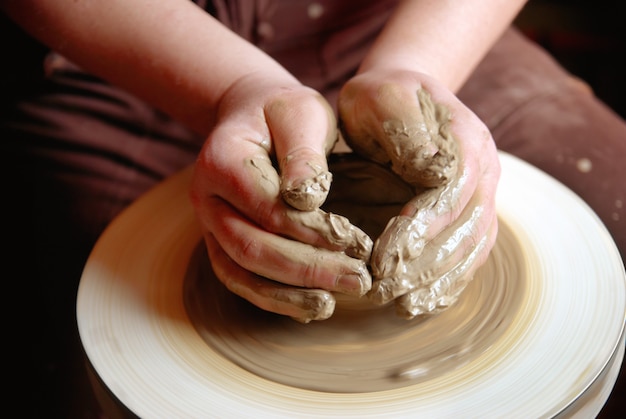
[305, 305]
[362, 347]
[335, 229]
[309, 194]
[426, 156]
[423, 152]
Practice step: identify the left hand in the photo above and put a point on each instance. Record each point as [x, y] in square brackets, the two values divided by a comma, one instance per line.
[429, 252]
[258, 182]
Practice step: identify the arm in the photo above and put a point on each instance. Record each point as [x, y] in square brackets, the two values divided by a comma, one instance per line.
[444, 39]
[253, 113]
[169, 52]
[400, 109]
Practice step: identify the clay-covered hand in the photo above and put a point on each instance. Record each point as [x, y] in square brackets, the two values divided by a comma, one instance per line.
[429, 252]
[269, 147]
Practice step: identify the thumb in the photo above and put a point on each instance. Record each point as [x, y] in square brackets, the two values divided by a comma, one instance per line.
[304, 130]
[397, 123]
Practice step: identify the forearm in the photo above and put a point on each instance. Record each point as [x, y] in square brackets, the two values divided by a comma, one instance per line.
[169, 52]
[442, 38]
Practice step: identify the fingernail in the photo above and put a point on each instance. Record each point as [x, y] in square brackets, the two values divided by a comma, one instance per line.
[354, 283]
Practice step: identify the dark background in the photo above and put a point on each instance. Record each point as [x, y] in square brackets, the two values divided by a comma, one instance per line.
[589, 39]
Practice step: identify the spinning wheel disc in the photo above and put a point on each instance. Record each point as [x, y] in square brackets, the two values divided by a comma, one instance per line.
[538, 332]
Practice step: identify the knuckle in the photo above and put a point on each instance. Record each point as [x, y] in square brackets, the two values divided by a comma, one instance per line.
[270, 217]
[310, 274]
[247, 249]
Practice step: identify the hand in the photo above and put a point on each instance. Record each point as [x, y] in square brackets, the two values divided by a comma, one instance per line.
[280, 258]
[429, 252]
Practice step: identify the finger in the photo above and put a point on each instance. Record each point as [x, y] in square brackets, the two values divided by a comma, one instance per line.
[406, 128]
[433, 209]
[235, 155]
[419, 142]
[283, 260]
[416, 135]
[446, 290]
[315, 227]
[479, 164]
[406, 262]
[303, 128]
[301, 304]
[430, 213]
[337, 231]
[402, 242]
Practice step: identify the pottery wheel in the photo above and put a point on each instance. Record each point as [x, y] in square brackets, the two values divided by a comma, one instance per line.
[538, 331]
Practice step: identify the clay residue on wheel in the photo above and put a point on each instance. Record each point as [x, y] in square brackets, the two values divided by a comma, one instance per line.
[363, 348]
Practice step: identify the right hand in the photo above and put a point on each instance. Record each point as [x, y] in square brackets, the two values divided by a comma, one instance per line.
[430, 251]
[282, 259]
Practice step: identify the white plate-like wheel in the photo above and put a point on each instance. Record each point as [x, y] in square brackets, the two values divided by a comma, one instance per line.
[537, 333]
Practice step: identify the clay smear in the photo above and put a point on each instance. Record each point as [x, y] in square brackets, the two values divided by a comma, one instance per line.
[310, 193]
[361, 348]
[423, 151]
[407, 263]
